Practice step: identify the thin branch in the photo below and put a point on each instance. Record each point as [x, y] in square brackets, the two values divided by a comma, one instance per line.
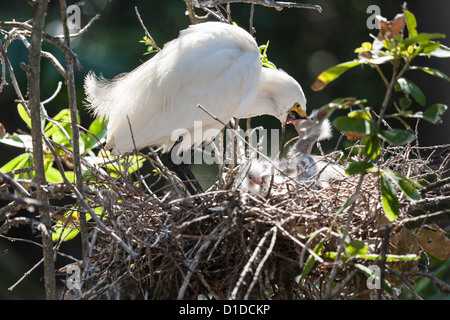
[149, 37]
[435, 217]
[84, 29]
[26, 201]
[34, 104]
[71, 92]
[279, 5]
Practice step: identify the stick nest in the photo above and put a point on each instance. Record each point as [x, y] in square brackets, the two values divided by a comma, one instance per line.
[229, 244]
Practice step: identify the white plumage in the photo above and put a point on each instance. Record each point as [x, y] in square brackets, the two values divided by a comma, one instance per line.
[212, 64]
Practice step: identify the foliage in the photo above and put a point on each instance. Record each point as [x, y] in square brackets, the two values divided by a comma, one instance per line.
[392, 47]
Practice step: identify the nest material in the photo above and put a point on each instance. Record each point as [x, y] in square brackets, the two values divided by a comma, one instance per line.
[229, 244]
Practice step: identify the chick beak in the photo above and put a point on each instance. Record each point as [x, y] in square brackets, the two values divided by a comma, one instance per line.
[257, 181]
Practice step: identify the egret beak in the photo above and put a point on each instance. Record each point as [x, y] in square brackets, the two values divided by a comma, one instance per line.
[296, 112]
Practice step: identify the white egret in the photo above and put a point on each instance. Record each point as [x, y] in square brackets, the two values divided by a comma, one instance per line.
[212, 64]
[311, 167]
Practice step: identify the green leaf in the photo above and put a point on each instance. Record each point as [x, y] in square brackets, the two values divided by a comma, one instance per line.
[397, 137]
[97, 128]
[433, 113]
[372, 146]
[356, 167]
[410, 89]
[355, 248]
[429, 47]
[263, 56]
[365, 114]
[332, 74]
[406, 185]
[354, 124]
[441, 52]
[389, 199]
[64, 232]
[311, 260]
[22, 161]
[405, 103]
[374, 257]
[23, 114]
[434, 72]
[421, 38]
[411, 23]
[53, 175]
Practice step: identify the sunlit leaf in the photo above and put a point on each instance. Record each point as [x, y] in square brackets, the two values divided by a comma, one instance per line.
[411, 23]
[389, 199]
[23, 114]
[97, 128]
[22, 161]
[356, 248]
[374, 257]
[332, 74]
[441, 52]
[52, 175]
[311, 259]
[372, 146]
[421, 38]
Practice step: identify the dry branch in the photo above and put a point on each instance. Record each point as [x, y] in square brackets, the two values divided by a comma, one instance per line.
[279, 5]
[34, 105]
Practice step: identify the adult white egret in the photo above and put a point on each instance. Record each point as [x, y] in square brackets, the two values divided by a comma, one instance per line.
[311, 167]
[212, 64]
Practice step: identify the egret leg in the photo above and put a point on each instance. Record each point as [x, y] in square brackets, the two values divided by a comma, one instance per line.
[184, 172]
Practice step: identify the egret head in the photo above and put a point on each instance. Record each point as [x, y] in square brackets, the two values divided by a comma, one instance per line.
[312, 126]
[279, 95]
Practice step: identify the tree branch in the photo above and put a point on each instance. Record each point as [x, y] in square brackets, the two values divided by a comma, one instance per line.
[34, 104]
[279, 5]
[71, 92]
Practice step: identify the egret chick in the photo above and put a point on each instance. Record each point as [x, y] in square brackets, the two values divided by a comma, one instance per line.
[257, 176]
[311, 167]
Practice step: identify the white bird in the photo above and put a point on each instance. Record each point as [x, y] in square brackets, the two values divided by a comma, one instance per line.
[212, 64]
[312, 167]
[256, 176]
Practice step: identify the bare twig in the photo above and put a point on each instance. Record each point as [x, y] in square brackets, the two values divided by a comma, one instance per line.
[71, 91]
[149, 37]
[279, 5]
